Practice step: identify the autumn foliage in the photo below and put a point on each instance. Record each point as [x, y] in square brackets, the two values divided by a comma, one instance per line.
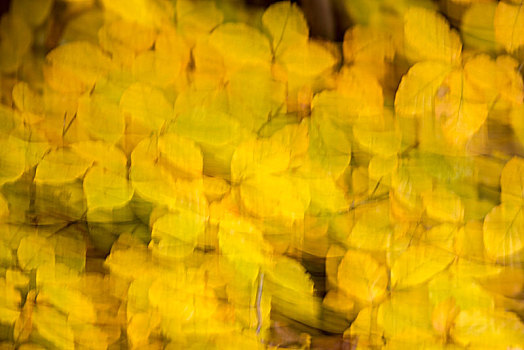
[203, 175]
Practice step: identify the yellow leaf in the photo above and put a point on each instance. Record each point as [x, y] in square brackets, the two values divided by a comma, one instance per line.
[24, 324]
[215, 132]
[204, 100]
[416, 338]
[139, 329]
[292, 276]
[17, 278]
[340, 302]
[34, 152]
[466, 293]
[275, 197]
[507, 281]
[195, 19]
[504, 230]
[70, 249]
[332, 104]
[9, 303]
[129, 35]
[31, 346]
[512, 181]
[335, 253]
[27, 100]
[6, 256]
[517, 122]
[408, 183]
[254, 96]
[369, 48]
[184, 225]
[326, 196]
[102, 104]
[258, 157]
[380, 166]
[71, 302]
[75, 67]
[59, 202]
[91, 336]
[362, 276]
[170, 154]
[172, 56]
[210, 69]
[382, 142]
[308, 59]
[215, 187]
[365, 330]
[440, 236]
[239, 340]
[12, 158]
[291, 290]
[104, 189]
[457, 109]
[181, 153]
[286, 25]
[4, 208]
[156, 184]
[152, 13]
[129, 264]
[56, 273]
[34, 12]
[509, 25]
[485, 78]
[160, 69]
[243, 244]
[427, 37]
[477, 26]
[509, 83]
[372, 231]
[418, 264]
[474, 269]
[329, 148]
[145, 108]
[296, 137]
[85, 26]
[57, 106]
[17, 39]
[443, 316]
[367, 44]
[10, 120]
[170, 250]
[181, 302]
[12, 234]
[406, 311]
[488, 329]
[61, 165]
[417, 89]
[443, 205]
[241, 44]
[53, 327]
[104, 155]
[35, 251]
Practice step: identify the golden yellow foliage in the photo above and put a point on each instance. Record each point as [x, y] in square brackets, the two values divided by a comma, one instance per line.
[427, 37]
[75, 67]
[362, 276]
[509, 24]
[287, 26]
[503, 230]
[204, 174]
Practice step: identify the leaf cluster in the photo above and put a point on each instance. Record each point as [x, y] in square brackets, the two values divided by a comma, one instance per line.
[172, 172]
